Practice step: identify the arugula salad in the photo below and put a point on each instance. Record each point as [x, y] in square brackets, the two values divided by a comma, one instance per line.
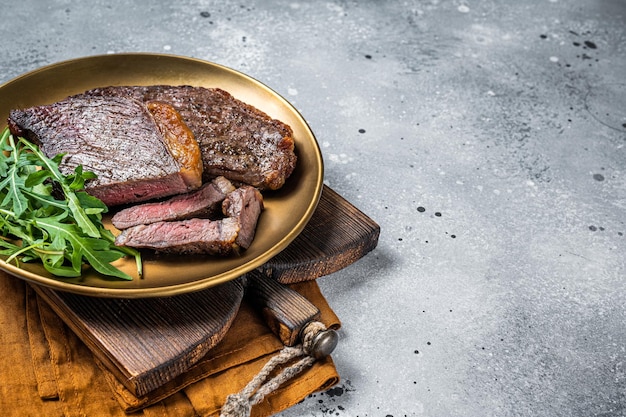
[46, 216]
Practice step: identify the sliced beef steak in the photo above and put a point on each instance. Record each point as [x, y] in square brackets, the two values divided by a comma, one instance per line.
[205, 202]
[202, 236]
[138, 151]
[237, 140]
[184, 237]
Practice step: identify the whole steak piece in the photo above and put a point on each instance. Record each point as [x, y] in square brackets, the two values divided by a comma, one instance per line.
[236, 140]
[139, 151]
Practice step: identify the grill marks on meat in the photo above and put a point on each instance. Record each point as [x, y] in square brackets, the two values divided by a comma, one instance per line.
[202, 236]
[206, 202]
[138, 152]
[236, 140]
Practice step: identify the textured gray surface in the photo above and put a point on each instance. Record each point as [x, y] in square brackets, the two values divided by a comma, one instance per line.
[486, 138]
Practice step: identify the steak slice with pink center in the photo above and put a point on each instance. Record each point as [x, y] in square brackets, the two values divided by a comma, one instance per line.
[205, 202]
[202, 236]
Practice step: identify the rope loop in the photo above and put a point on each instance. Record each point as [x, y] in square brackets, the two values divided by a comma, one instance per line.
[240, 404]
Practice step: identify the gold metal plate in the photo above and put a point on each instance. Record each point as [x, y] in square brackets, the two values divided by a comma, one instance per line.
[286, 211]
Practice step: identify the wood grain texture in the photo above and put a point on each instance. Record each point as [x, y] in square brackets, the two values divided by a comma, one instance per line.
[147, 342]
[337, 235]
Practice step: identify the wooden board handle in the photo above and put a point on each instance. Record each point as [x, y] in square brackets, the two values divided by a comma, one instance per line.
[286, 312]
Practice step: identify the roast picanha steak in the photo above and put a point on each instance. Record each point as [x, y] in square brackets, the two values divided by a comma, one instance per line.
[139, 151]
[236, 140]
[148, 143]
[202, 236]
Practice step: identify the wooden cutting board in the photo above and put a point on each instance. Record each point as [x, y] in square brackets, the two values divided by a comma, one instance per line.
[147, 342]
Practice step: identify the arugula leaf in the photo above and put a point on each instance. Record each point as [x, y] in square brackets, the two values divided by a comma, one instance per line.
[64, 234]
[96, 251]
[13, 182]
[82, 220]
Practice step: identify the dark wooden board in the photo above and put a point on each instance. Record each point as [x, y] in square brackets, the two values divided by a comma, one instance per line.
[337, 235]
[148, 342]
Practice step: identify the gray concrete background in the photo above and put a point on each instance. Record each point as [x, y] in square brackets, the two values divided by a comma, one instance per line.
[488, 141]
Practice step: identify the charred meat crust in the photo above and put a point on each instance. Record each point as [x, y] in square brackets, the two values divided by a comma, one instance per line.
[179, 140]
[236, 140]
